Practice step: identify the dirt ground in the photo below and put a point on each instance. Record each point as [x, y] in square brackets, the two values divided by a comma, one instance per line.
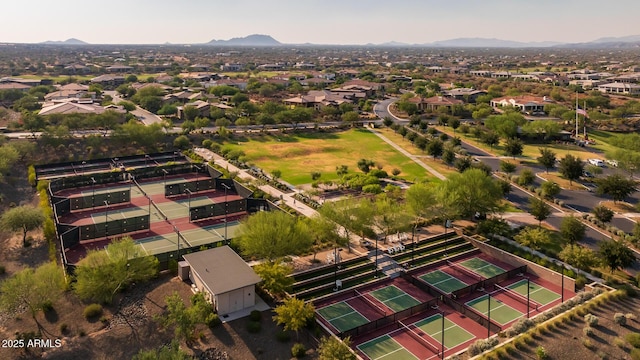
[130, 326]
[129, 323]
[567, 341]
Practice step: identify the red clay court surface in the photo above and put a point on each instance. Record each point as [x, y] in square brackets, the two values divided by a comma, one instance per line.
[161, 236]
[419, 336]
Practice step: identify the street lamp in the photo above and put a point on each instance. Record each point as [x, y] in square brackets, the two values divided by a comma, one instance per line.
[188, 192]
[93, 192]
[226, 211]
[562, 283]
[178, 235]
[376, 264]
[164, 176]
[106, 220]
[336, 259]
[197, 175]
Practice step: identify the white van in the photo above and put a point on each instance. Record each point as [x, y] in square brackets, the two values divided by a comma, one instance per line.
[596, 162]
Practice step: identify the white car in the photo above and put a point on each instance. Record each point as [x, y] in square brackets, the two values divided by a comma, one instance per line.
[613, 163]
[596, 162]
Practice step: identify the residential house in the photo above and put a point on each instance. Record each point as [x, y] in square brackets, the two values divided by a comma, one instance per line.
[318, 99]
[231, 67]
[203, 107]
[119, 69]
[620, 88]
[435, 103]
[468, 95]
[526, 103]
[77, 107]
[108, 80]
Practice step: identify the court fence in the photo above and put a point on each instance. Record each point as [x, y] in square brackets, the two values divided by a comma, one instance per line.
[463, 309]
[193, 186]
[99, 199]
[214, 210]
[391, 319]
[533, 268]
[115, 227]
[485, 284]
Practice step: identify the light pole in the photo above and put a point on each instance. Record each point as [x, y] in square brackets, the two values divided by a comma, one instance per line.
[226, 211]
[197, 175]
[93, 192]
[146, 159]
[562, 283]
[188, 192]
[106, 220]
[376, 263]
[164, 177]
[442, 336]
[178, 235]
[489, 315]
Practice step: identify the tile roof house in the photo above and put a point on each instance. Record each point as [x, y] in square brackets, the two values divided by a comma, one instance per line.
[619, 88]
[468, 95]
[434, 103]
[69, 107]
[320, 98]
[526, 103]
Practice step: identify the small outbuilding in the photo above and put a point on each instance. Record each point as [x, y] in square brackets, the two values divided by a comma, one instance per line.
[227, 281]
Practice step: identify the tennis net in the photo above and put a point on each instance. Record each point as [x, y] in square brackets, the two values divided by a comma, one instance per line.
[418, 337]
[370, 302]
[517, 296]
[464, 271]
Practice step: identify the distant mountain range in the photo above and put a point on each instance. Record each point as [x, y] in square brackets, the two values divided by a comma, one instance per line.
[71, 41]
[266, 40]
[251, 40]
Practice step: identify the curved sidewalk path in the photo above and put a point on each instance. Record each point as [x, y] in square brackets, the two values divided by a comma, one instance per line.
[414, 158]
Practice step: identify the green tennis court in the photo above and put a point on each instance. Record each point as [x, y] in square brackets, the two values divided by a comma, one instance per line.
[126, 213]
[180, 208]
[454, 335]
[482, 267]
[208, 234]
[537, 293]
[342, 316]
[443, 281]
[157, 187]
[394, 298]
[500, 312]
[384, 347]
[159, 244]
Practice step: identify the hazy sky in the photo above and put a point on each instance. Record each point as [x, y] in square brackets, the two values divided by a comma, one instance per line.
[315, 21]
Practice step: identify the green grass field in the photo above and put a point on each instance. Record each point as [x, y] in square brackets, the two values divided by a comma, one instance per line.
[297, 155]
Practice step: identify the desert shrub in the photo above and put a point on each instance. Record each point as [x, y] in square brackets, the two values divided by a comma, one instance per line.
[635, 354]
[591, 319]
[633, 339]
[619, 342]
[620, 319]
[82, 333]
[588, 344]
[47, 306]
[298, 350]
[602, 355]
[587, 331]
[519, 327]
[213, 320]
[482, 345]
[255, 315]
[64, 328]
[2, 270]
[283, 336]
[541, 353]
[92, 311]
[253, 327]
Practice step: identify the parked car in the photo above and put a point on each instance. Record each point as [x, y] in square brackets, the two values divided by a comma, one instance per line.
[587, 174]
[596, 162]
[613, 163]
